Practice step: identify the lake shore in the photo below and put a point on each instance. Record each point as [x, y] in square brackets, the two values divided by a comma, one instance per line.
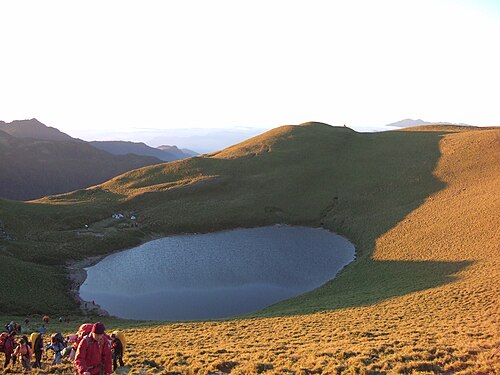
[265, 264]
[77, 276]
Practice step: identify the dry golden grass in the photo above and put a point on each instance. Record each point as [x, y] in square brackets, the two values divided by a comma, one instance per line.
[451, 328]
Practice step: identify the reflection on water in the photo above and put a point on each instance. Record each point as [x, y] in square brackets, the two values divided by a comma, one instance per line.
[214, 275]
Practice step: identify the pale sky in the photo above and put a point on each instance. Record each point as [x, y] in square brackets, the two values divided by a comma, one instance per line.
[118, 65]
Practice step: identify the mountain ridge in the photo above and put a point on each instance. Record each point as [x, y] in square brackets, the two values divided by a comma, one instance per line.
[174, 149]
[34, 168]
[34, 129]
[140, 148]
[407, 123]
[420, 207]
[38, 160]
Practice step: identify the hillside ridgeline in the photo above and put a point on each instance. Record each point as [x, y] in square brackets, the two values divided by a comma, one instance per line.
[167, 153]
[33, 168]
[34, 129]
[420, 206]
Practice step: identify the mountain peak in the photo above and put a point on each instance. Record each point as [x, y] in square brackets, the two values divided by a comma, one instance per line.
[408, 122]
[33, 128]
[165, 153]
[168, 148]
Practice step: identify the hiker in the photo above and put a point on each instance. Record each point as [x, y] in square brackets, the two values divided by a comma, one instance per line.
[38, 349]
[23, 352]
[117, 348]
[37, 346]
[28, 342]
[27, 325]
[93, 355]
[10, 327]
[57, 345]
[42, 328]
[7, 345]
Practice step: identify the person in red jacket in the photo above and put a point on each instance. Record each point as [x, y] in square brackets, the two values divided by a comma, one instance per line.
[93, 356]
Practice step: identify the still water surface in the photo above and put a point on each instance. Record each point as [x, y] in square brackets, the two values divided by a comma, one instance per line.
[215, 275]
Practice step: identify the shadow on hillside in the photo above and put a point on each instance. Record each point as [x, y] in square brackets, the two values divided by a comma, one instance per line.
[378, 281]
[358, 185]
[389, 175]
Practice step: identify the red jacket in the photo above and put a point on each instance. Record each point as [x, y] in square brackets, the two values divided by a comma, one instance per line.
[91, 354]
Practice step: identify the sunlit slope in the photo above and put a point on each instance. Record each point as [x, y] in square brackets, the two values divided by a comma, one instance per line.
[421, 206]
[446, 128]
[361, 185]
[291, 174]
[426, 299]
[453, 232]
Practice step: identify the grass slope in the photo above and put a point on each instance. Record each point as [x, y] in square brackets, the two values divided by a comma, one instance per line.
[419, 205]
[34, 168]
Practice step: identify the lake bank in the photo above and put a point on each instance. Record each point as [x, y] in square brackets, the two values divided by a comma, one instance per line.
[214, 275]
[77, 275]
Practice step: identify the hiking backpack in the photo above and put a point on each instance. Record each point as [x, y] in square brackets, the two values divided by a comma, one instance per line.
[3, 338]
[58, 338]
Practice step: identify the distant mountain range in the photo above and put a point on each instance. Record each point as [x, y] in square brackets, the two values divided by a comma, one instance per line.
[204, 140]
[200, 139]
[33, 168]
[37, 160]
[33, 129]
[164, 153]
[175, 150]
[409, 122]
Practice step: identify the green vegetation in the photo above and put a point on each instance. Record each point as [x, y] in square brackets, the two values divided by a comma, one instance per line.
[420, 206]
[359, 185]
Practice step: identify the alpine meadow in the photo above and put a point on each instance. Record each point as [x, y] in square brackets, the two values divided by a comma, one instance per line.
[420, 205]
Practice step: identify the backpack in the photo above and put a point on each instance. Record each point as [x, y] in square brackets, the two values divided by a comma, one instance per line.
[33, 337]
[28, 352]
[121, 336]
[84, 330]
[23, 348]
[82, 336]
[59, 338]
[3, 338]
[37, 342]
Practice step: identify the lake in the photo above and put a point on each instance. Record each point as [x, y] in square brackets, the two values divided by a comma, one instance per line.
[215, 275]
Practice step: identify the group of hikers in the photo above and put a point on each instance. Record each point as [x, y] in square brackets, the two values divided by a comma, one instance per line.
[93, 352]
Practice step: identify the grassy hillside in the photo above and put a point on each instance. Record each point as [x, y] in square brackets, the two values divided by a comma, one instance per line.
[33, 168]
[420, 206]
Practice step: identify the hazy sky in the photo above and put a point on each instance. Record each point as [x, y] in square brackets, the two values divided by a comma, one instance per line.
[119, 65]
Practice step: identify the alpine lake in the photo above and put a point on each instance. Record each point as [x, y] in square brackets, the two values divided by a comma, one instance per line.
[215, 275]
